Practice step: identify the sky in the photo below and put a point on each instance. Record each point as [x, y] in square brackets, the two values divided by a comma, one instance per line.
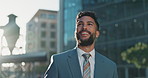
[24, 10]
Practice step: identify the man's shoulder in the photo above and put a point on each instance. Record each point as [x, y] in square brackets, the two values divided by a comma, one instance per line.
[105, 59]
[65, 53]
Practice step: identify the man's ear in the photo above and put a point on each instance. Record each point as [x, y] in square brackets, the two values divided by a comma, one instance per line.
[97, 33]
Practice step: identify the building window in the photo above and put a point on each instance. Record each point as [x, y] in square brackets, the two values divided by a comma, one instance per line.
[51, 16]
[43, 25]
[53, 26]
[43, 44]
[43, 15]
[52, 34]
[52, 44]
[30, 46]
[30, 27]
[43, 34]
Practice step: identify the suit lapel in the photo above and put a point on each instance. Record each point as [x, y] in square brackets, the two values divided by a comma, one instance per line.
[74, 64]
[98, 70]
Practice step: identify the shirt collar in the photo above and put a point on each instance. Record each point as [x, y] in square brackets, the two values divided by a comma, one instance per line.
[81, 52]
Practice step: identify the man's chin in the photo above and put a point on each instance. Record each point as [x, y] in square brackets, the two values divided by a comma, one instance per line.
[84, 38]
[85, 43]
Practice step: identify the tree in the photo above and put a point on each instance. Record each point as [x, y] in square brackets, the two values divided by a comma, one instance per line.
[138, 55]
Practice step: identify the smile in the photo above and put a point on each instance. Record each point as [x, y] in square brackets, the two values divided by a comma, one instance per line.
[84, 33]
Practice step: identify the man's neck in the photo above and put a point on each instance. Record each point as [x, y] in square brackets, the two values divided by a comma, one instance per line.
[86, 48]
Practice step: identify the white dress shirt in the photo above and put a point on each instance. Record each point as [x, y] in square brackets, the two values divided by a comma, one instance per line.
[91, 60]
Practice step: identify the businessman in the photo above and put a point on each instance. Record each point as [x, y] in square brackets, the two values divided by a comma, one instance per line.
[83, 61]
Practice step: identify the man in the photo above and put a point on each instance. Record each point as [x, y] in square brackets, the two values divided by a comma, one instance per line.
[83, 61]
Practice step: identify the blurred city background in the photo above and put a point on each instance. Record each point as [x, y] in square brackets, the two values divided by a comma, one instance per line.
[34, 30]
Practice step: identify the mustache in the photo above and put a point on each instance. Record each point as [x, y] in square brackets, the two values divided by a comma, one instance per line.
[85, 31]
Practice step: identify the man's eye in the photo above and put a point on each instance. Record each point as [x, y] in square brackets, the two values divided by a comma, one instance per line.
[90, 24]
[80, 24]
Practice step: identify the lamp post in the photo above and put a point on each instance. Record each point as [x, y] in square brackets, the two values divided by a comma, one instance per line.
[11, 32]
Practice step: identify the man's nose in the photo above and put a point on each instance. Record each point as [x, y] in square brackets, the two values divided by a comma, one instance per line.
[84, 27]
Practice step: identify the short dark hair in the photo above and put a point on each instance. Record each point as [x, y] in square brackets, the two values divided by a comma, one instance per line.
[90, 14]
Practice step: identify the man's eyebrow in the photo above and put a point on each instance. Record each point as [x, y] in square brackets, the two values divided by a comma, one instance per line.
[79, 21]
[90, 22]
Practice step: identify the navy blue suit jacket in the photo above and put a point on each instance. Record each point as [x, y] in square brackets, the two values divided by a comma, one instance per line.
[66, 65]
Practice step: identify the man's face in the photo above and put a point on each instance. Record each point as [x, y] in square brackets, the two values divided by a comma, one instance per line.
[86, 31]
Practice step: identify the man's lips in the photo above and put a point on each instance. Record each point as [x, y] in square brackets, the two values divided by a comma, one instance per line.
[85, 33]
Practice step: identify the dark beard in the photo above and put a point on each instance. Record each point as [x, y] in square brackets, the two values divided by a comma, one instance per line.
[86, 42]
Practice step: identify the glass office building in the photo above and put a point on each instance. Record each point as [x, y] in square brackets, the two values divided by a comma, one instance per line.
[123, 23]
[71, 7]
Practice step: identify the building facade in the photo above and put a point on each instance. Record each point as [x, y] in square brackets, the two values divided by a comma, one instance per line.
[68, 11]
[41, 32]
[123, 23]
